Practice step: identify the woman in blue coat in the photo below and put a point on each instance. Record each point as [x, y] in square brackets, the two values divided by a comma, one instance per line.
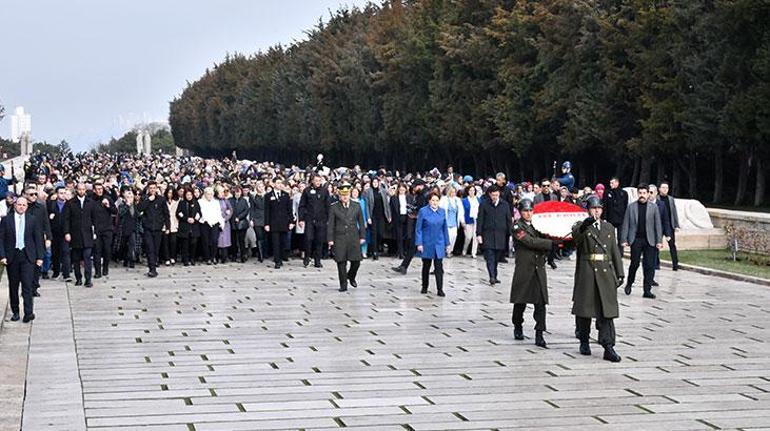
[432, 240]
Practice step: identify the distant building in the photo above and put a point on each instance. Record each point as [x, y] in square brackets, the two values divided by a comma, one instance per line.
[21, 123]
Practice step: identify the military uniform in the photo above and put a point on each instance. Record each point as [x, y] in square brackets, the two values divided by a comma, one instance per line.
[598, 273]
[346, 227]
[529, 284]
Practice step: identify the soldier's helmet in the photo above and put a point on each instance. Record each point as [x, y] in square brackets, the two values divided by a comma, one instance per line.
[525, 205]
[593, 201]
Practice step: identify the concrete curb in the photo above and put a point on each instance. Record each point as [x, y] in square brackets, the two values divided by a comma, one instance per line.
[719, 273]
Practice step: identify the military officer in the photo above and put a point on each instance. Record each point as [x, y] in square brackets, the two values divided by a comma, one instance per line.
[346, 231]
[598, 274]
[529, 284]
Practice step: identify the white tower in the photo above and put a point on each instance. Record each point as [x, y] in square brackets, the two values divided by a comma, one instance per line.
[21, 124]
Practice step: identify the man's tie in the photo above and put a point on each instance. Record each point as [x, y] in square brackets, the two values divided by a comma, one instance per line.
[20, 233]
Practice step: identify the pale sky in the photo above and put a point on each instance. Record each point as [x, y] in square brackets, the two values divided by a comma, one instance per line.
[89, 69]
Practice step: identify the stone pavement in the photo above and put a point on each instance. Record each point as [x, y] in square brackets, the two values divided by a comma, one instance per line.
[251, 348]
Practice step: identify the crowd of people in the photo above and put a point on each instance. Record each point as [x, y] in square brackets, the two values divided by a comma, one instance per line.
[84, 214]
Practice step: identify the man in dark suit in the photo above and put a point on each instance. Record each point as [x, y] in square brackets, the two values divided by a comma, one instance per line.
[21, 251]
[669, 219]
[279, 219]
[155, 221]
[38, 210]
[643, 232]
[79, 232]
[60, 251]
[313, 213]
[104, 224]
[492, 228]
[615, 202]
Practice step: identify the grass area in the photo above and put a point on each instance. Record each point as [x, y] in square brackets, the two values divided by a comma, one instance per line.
[722, 260]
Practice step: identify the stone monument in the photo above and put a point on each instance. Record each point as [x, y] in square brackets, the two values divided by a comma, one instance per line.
[143, 142]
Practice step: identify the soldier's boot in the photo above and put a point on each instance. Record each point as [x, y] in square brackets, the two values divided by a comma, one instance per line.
[610, 354]
[585, 348]
[539, 340]
[518, 332]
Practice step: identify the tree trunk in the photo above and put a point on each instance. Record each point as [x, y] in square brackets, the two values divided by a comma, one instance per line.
[635, 175]
[644, 172]
[719, 167]
[759, 190]
[676, 179]
[660, 172]
[693, 175]
[743, 177]
[582, 174]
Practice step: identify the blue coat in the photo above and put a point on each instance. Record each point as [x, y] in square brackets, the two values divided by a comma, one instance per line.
[431, 233]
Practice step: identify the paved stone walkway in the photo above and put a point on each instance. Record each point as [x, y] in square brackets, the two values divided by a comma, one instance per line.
[252, 348]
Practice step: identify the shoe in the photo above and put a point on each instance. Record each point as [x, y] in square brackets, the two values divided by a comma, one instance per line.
[44, 276]
[28, 318]
[585, 348]
[491, 281]
[305, 262]
[675, 268]
[318, 265]
[173, 261]
[55, 275]
[503, 260]
[611, 355]
[424, 290]
[68, 279]
[168, 263]
[343, 289]
[277, 265]
[518, 332]
[648, 295]
[152, 274]
[539, 340]
[552, 265]
[78, 283]
[441, 293]
[352, 282]
[399, 269]
[105, 272]
[375, 257]
[36, 294]
[186, 264]
[97, 275]
[497, 281]
[655, 283]
[244, 259]
[88, 284]
[628, 289]
[131, 265]
[15, 317]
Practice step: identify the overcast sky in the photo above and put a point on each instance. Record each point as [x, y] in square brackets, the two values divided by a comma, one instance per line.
[89, 69]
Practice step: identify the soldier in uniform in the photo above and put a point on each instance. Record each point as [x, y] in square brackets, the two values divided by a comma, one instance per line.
[529, 284]
[598, 274]
[346, 231]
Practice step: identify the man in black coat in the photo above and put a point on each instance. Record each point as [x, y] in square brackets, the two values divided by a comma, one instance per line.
[79, 232]
[105, 230]
[60, 250]
[492, 228]
[155, 220]
[257, 218]
[419, 200]
[38, 210]
[615, 202]
[313, 213]
[279, 220]
[21, 251]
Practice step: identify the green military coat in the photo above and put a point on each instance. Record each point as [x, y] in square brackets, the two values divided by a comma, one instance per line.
[346, 228]
[529, 284]
[596, 281]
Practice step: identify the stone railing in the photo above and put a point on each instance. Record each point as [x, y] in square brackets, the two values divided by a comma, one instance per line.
[746, 231]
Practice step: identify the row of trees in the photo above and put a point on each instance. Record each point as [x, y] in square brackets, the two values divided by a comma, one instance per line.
[644, 89]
